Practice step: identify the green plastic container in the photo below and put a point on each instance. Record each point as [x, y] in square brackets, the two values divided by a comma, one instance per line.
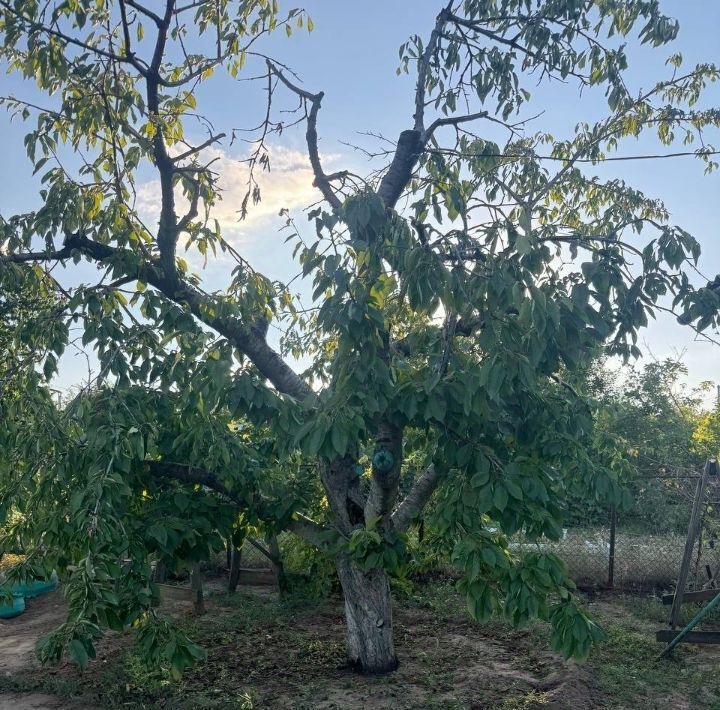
[15, 608]
[33, 589]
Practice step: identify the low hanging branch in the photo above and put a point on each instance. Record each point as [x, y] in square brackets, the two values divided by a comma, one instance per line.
[299, 524]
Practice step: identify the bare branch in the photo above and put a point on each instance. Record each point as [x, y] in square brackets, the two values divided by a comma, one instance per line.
[452, 121]
[424, 66]
[197, 149]
[322, 181]
[142, 9]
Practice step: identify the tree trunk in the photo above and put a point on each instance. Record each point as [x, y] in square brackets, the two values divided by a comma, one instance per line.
[368, 616]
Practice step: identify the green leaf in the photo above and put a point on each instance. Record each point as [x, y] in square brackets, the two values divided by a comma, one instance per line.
[78, 653]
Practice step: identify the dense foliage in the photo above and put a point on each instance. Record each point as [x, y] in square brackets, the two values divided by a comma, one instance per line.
[664, 432]
[453, 291]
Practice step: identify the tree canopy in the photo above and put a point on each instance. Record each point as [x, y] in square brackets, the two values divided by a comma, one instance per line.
[454, 289]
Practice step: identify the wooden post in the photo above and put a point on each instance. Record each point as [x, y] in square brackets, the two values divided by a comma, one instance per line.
[235, 558]
[611, 555]
[696, 620]
[196, 585]
[159, 573]
[693, 528]
[275, 562]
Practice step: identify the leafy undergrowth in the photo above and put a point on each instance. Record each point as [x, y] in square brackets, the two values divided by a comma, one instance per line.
[265, 652]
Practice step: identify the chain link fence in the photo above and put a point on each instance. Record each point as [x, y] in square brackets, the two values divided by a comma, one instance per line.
[642, 548]
[638, 549]
[628, 560]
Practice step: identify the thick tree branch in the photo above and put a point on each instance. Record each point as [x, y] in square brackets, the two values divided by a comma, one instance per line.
[203, 307]
[413, 503]
[398, 175]
[193, 476]
[308, 530]
[57, 255]
[385, 476]
[300, 525]
[424, 68]
[411, 142]
[167, 229]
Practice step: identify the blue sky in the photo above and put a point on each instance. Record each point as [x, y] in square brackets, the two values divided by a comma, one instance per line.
[352, 55]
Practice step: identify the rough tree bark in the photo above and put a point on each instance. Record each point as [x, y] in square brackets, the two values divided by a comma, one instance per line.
[368, 618]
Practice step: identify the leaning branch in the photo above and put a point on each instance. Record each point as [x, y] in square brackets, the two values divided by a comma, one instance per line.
[193, 476]
[308, 530]
[39, 27]
[268, 362]
[452, 121]
[413, 503]
[197, 149]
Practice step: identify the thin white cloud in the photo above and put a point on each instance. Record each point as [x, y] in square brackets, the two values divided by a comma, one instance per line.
[288, 184]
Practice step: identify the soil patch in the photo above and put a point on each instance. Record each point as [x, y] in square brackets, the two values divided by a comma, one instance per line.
[19, 635]
[299, 662]
[35, 701]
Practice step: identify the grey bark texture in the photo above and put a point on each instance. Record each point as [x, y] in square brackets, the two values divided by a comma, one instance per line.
[368, 615]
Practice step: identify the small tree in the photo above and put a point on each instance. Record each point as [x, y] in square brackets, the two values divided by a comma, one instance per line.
[452, 287]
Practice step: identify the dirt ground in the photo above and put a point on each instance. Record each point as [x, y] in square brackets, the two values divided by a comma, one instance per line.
[264, 652]
[18, 637]
[302, 665]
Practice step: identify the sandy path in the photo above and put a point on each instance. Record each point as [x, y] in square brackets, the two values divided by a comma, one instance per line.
[33, 701]
[18, 637]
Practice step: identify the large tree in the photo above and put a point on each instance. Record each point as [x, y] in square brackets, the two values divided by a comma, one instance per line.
[452, 290]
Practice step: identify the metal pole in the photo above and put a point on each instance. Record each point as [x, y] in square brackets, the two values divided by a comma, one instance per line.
[696, 620]
[611, 556]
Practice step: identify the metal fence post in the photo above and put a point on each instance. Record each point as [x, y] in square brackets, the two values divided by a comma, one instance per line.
[611, 554]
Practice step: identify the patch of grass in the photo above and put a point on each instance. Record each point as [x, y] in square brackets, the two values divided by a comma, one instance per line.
[651, 608]
[531, 699]
[627, 670]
